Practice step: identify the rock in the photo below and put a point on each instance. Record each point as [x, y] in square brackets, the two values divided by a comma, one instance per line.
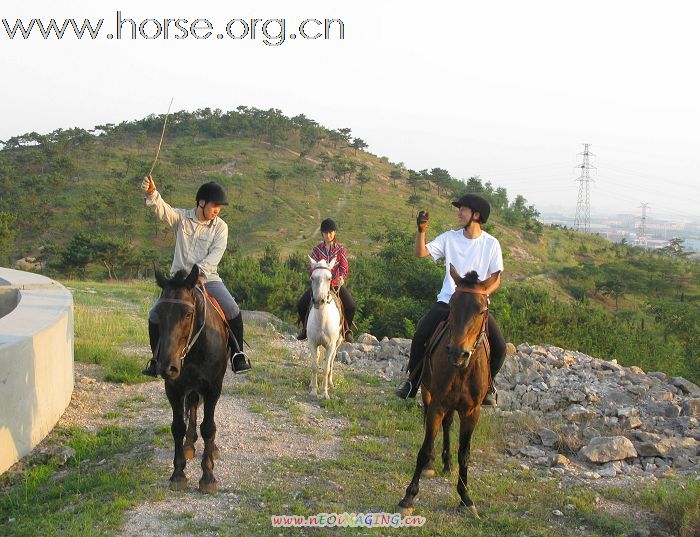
[633, 422]
[607, 471]
[532, 452]
[667, 409]
[548, 437]
[576, 413]
[608, 448]
[691, 407]
[658, 375]
[367, 339]
[559, 461]
[510, 349]
[612, 365]
[343, 357]
[687, 387]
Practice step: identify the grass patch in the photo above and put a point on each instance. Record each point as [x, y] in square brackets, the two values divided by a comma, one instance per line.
[86, 496]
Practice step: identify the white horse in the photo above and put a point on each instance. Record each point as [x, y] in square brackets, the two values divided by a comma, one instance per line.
[323, 327]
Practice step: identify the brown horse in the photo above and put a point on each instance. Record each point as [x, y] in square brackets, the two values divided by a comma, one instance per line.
[456, 377]
[192, 358]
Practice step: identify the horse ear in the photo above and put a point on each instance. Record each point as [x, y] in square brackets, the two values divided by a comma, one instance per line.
[311, 260]
[161, 280]
[192, 278]
[332, 263]
[455, 275]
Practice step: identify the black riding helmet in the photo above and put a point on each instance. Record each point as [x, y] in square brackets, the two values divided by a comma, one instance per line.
[477, 204]
[328, 225]
[212, 192]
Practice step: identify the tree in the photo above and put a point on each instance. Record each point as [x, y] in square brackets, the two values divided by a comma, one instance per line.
[363, 178]
[674, 248]
[441, 178]
[7, 233]
[273, 175]
[359, 143]
[414, 200]
[395, 175]
[414, 179]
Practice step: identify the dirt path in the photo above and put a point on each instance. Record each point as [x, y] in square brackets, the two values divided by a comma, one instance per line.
[246, 439]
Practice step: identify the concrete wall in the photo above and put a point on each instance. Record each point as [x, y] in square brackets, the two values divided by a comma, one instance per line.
[36, 360]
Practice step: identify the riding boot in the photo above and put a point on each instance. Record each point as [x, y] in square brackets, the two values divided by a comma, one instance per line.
[347, 333]
[153, 335]
[410, 386]
[496, 359]
[239, 361]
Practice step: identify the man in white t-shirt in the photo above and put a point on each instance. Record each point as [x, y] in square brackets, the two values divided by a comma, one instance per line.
[468, 248]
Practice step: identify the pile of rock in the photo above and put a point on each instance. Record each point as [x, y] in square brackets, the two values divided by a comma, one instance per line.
[603, 420]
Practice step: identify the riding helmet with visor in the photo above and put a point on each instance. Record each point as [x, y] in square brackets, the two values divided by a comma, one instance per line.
[477, 204]
[212, 192]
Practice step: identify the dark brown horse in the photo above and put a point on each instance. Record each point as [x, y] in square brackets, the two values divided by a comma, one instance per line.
[192, 358]
[456, 378]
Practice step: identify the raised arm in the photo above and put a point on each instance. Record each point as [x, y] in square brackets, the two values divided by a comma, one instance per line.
[153, 199]
[422, 222]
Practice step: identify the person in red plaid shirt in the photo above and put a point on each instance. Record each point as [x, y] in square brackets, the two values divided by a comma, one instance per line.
[329, 250]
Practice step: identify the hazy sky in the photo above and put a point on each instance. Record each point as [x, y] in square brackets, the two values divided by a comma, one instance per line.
[505, 90]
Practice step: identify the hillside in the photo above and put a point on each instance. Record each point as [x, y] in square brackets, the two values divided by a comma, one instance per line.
[71, 198]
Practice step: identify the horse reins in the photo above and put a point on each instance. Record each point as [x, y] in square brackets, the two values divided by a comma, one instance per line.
[190, 340]
[483, 333]
[329, 298]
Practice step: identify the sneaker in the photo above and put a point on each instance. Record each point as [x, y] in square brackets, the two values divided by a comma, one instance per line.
[240, 363]
[491, 398]
[152, 369]
[404, 391]
[302, 335]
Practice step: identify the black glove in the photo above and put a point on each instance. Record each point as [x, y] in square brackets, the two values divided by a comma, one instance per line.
[422, 221]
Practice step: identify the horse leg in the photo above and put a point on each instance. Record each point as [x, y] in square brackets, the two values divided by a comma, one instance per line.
[191, 404]
[446, 451]
[207, 483]
[327, 366]
[178, 480]
[429, 468]
[467, 424]
[425, 455]
[313, 385]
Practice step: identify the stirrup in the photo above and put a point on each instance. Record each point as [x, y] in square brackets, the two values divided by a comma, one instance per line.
[240, 363]
[404, 391]
[491, 398]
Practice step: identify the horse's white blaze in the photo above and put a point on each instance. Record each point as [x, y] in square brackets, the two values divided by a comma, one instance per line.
[323, 329]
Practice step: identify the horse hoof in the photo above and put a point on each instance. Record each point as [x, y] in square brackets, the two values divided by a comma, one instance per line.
[428, 472]
[179, 484]
[208, 488]
[471, 510]
[405, 511]
[188, 451]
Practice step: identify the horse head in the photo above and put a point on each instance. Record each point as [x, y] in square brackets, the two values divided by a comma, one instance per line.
[469, 309]
[321, 276]
[177, 317]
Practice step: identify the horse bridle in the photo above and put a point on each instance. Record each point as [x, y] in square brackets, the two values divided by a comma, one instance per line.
[483, 333]
[190, 340]
[329, 298]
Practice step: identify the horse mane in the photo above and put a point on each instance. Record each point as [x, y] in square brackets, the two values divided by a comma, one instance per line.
[178, 280]
[470, 279]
